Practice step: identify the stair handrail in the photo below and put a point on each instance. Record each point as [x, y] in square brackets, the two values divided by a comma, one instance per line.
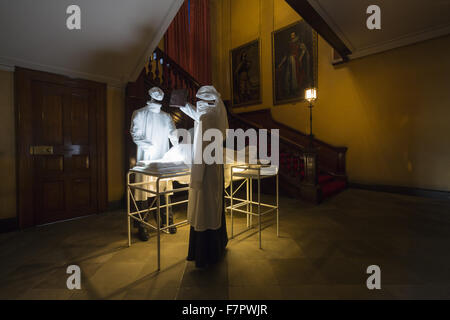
[171, 76]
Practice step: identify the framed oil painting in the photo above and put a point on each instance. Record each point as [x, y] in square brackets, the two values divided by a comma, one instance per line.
[246, 74]
[294, 60]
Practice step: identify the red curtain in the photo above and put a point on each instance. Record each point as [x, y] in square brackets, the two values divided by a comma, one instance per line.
[187, 40]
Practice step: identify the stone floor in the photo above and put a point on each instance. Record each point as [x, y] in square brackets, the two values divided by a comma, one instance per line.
[322, 253]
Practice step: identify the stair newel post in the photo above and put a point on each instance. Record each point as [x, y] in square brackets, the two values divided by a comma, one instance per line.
[188, 87]
[169, 76]
[341, 161]
[150, 68]
[292, 165]
[157, 78]
[298, 160]
[311, 167]
[174, 75]
[163, 71]
[310, 188]
[181, 83]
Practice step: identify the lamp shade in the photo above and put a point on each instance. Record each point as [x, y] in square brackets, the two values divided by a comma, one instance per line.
[311, 94]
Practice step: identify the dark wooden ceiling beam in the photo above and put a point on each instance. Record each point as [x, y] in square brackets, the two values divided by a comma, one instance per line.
[307, 12]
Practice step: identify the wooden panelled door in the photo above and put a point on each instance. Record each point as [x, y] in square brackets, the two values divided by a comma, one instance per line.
[61, 147]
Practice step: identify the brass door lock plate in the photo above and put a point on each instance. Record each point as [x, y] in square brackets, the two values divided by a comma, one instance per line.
[41, 150]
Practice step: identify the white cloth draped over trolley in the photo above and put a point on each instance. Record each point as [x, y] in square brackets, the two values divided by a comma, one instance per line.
[151, 130]
[178, 159]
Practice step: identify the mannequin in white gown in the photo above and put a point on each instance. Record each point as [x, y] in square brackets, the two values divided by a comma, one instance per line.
[151, 130]
[208, 235]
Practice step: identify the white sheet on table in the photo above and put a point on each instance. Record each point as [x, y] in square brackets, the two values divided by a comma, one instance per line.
[177, 160]
[161, 165]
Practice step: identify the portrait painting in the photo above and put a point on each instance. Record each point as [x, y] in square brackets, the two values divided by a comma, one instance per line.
[245, 74]
[294, 62]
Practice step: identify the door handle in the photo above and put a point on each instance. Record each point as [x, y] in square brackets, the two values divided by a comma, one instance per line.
[41, 150]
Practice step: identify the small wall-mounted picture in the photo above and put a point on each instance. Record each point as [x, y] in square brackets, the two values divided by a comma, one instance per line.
[294, 62]
[246, 76]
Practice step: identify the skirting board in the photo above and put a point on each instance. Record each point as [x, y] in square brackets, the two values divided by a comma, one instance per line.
[11, 224]
[444, 195]
[7, 225]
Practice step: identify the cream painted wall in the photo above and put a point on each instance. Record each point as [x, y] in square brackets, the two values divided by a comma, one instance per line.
[7, 146]
[391, 110]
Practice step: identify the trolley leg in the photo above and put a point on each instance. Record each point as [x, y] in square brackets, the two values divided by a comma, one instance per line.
[167, 210]
[128, 210]
[259, 209]
[247, 199]
[158, 242]
[129, 225]
[231, 203]
[278, 215]
[251, 202]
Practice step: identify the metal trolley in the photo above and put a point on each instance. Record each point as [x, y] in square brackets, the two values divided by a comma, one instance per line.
[155, 205]
[248, 173]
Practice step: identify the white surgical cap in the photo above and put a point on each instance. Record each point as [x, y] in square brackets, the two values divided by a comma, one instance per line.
[156, 93]
[208, 93]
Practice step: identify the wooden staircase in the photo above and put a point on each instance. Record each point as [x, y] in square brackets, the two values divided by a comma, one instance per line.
[325, 173]
[312, 173]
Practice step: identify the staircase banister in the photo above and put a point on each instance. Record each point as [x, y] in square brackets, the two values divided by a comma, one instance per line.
[332, 158]
[340, 149]
[176, 66]
[258, 126]
[316, 141]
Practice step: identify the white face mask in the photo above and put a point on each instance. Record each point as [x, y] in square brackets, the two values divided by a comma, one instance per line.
[204, 105]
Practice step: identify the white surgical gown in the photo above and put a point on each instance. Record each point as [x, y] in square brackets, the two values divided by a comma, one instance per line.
[206, 184]
[151, 130]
